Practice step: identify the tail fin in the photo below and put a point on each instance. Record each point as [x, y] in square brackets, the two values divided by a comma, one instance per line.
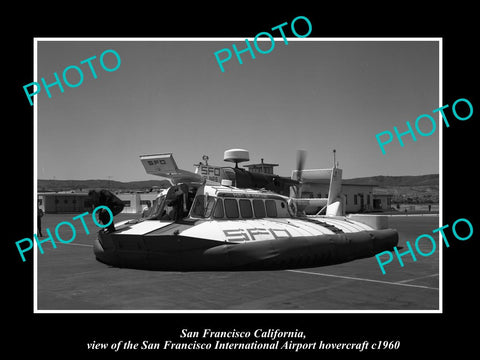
[335, 185]
[336, 202]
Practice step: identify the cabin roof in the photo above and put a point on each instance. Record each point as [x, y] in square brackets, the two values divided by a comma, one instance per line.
[230, 191]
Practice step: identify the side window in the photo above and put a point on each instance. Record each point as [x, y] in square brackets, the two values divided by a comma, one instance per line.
[155, 211]
[271, 208]
[246, 209]
[198, 206]
[231, 208]
[218, 214]
[259, 208]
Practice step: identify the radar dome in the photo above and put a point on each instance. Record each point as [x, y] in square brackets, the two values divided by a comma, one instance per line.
[236, 155]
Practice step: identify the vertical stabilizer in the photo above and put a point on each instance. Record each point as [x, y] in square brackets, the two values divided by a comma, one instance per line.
[336, 202]
[335, 185]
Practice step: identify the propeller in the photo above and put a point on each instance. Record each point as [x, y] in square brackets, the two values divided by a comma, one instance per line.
[301, 155]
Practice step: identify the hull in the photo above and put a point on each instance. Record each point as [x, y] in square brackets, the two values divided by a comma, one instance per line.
[172, 247]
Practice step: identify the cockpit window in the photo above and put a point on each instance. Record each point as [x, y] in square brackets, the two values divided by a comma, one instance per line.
[154, 212]
[231, 208]
[218, 214]
[203, 206]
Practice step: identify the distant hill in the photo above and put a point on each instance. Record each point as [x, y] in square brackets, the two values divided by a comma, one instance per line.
[85, 185]
[421, 189]
[405, 189]
[386, 181]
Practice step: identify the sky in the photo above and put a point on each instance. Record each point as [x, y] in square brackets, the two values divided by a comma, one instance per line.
[171, 96]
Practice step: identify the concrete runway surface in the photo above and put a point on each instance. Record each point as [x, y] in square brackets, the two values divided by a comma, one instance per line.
[70, 279]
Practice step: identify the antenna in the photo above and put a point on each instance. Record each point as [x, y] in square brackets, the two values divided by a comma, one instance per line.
[334, 160]
[205, 157]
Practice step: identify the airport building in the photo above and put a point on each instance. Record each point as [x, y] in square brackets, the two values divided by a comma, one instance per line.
[63, 202]
[382, 199]
[52, 203]
[263, 168]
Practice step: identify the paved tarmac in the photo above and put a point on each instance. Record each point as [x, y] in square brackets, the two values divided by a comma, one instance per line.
[70, 279]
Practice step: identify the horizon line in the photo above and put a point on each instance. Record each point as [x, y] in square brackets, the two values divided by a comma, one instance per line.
[165, 179]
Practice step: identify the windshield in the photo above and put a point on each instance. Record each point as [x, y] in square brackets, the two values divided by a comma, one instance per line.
[203, 206]
[154, 212]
